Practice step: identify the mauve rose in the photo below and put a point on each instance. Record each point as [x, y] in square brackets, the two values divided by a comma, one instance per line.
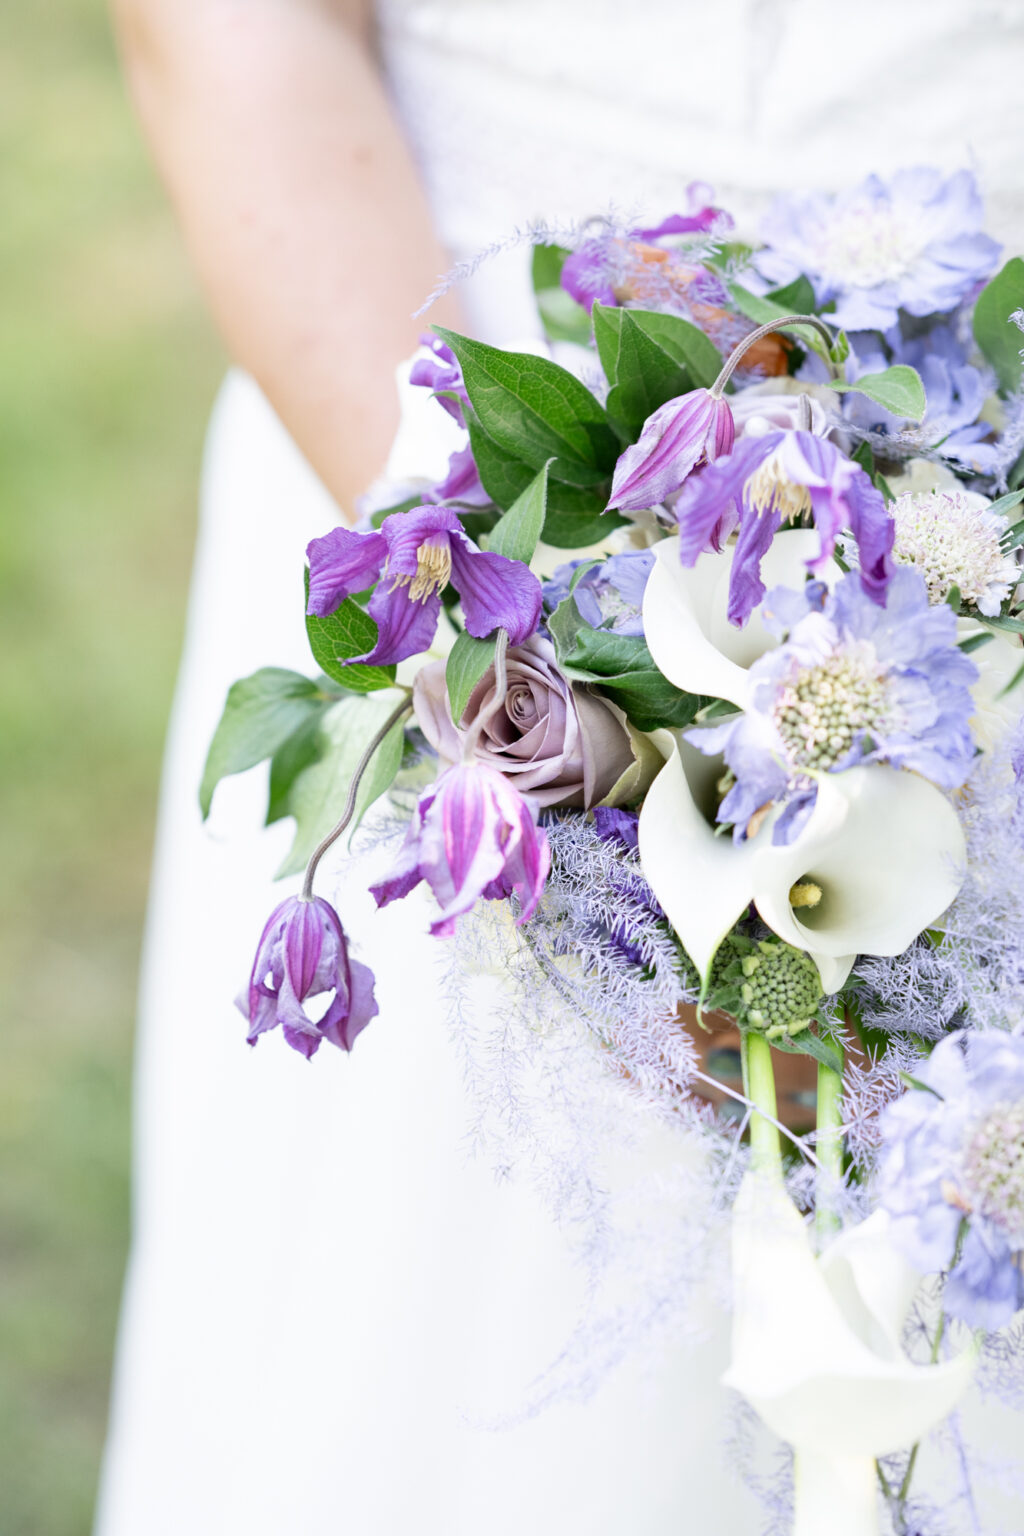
[559, 744]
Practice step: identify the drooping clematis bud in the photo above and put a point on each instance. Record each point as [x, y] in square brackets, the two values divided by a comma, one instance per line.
[472, 835]
[303, 953]
[681, 436]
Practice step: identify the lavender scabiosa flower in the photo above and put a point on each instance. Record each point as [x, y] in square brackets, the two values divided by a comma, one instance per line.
[303, 953]
[608, 595]
[953, 1162]
[683, 434]
[417, 553]
[914, 243]
[472, 836]
[773, 479]
[954, 542]
[852, 683]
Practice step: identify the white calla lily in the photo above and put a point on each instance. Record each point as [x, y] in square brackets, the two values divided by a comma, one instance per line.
[885, 848]
[685, 613]
[816, 1351]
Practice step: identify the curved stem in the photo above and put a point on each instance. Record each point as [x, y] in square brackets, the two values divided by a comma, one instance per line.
[735, 357]
[321, 848]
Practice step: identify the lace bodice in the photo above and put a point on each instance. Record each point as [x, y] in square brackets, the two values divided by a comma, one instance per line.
[553, 109]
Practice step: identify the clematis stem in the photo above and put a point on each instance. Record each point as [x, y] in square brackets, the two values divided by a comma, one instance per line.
[736, 356]
[830, 1151]
[321, 848]
[759, 1076]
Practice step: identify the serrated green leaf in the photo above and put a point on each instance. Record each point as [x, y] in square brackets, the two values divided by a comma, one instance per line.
[622, 667]
[898, 390]
[684, 343]
[319, 793]
[795, 298]
[807, 1043]
[468, 660]
[537, 411]
[517, 533]
[642, 376]
[260, 714]
[301, 749]
[996, 334]
[348, 632]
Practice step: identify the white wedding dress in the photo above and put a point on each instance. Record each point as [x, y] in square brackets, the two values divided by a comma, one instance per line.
[324, 1289]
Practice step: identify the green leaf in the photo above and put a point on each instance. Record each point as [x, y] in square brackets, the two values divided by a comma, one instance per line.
[863, 456]
[684, 344]
[260, 714]
[516, 534]
[564, 319]
[909, 1081]
[1004, 621]
[301, 749]
[762, 310]
[576, 520]
[503, 476]
[1006, 504]
[348, 632]
[318, 795]
[622, 667]
[537, 411]
[796, 298]
[994, 331]
[974, 643]
[468, 660]
[642, 376]
[807, 1043]
[897, 389]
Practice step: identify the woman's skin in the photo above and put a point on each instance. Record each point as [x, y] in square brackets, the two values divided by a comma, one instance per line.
[299, 202]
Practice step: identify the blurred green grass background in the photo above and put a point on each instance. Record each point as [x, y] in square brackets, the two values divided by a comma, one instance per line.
[107, 370]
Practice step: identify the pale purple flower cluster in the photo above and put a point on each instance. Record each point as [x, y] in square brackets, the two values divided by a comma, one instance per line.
[609, 594]
[412, 558]
[303, 953]
[852, 683]
[952, 1173]
[773, 479]
[914, 243]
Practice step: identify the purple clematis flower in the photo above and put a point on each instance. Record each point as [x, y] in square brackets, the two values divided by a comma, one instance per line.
[417, 553]
[852, 683]
[683, 434]
[302, 953]
[952, 1166]
[773, 479]
[473, 835]
[462, 482]
[442, 373]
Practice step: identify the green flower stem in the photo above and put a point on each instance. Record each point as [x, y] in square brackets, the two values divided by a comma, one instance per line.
[735, 357]
[759, 1077]
[830, 1151]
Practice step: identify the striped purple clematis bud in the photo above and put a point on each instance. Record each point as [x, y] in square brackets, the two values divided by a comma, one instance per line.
[681, 436]
[473, 835]
[302, 954]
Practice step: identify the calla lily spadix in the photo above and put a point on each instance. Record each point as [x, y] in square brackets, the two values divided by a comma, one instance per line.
[885, 849]
[816, 1351]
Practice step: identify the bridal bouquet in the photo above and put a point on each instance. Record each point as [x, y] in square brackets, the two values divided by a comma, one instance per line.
[699, 668]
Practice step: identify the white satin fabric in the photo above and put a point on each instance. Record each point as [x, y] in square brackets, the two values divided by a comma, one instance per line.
[323, 1286]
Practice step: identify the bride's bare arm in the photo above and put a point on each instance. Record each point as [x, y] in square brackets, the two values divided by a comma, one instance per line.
[299, 202]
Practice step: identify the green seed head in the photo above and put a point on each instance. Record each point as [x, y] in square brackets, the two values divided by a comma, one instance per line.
[779, 988]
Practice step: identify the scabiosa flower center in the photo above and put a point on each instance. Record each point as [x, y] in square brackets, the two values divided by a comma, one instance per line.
[954, 544]
[824, 711]
[433, 569]
[866, 245]
[769, 489]
[993, 1170]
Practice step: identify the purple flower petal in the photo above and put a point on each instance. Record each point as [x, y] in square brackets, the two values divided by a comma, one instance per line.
[405, 625]
[496, 592]
[340, 563]
[693, 429]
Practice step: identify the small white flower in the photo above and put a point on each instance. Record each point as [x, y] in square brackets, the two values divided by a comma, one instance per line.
[954, 541]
